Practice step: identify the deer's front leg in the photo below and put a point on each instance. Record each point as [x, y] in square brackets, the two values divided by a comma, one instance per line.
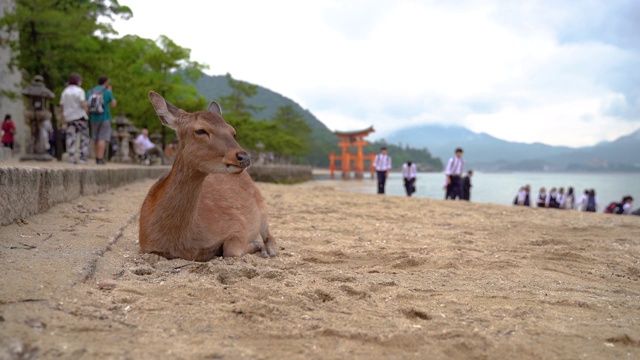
[269, 248]
[238, 246]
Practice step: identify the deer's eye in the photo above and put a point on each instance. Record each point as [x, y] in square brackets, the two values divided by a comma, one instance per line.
[201, 132]
[235, 136]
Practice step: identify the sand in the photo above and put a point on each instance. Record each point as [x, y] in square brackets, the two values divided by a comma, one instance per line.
[357, 277]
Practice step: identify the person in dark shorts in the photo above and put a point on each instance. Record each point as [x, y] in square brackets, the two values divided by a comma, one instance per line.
[453, 175]
[466, 186]
[100, 117]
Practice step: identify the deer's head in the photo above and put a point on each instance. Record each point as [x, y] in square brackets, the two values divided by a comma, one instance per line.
[207, 142]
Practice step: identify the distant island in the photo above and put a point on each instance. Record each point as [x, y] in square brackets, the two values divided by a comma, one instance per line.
[485, 152]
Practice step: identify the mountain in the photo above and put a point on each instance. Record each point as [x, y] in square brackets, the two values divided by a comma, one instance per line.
[623, 151]
[324, 141]
[483, 151]
[480, 149]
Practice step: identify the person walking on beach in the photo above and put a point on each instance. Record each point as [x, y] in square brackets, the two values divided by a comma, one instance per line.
[100, 101]
[74, 114]
[466, 186]
[409, 175]
[9, 129]
[382, 164]
[453, 175]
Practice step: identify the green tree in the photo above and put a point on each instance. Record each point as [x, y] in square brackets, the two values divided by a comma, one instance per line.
[235, 102]
[57, 37]
[238, 113]
[291, 135]
[137, 65]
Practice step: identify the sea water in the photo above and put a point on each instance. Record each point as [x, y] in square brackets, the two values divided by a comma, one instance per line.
[501, 188]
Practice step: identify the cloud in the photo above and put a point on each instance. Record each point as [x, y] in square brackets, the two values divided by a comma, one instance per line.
[526, 71]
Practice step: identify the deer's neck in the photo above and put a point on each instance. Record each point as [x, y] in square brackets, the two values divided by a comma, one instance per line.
[178, 200]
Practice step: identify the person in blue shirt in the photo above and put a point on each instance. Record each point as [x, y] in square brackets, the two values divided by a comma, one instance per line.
[100, 117]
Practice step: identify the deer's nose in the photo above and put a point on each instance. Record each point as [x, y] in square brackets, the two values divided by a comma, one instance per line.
[244, 159]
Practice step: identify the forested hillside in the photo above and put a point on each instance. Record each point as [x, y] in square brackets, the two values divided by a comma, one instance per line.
[323, 140]
[268, 102]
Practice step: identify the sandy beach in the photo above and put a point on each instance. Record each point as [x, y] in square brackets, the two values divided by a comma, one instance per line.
[357, 276]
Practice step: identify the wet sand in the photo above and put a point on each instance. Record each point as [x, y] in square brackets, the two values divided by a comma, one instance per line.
[357, 276]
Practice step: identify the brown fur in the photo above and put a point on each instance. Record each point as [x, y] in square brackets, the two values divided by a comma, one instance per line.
[207, 205]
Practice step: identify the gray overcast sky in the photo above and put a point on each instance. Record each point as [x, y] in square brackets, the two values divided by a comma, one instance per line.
[557, 72]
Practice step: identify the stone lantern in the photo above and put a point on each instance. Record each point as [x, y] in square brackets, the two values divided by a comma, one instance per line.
[36, 116]
[133, 134]
[156, 138]
[261, 157]
[123, 137]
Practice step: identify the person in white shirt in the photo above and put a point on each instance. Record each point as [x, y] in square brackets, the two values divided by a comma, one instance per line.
[570, 199]
[621, 208]
[146, 148]
[453, 175]
[409, 175]
[561, 198]
[382, 164]
[522, 198]
[542, 197]
[589, 201]
[627, 205]
[551, 201]
[74, 114]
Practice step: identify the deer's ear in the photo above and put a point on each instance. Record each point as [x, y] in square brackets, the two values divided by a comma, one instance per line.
[166, 111]
[215, 108]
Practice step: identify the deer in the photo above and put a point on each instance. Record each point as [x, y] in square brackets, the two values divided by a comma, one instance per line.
[207, 205]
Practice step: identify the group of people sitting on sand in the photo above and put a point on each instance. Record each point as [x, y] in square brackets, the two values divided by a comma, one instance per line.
[557, 198]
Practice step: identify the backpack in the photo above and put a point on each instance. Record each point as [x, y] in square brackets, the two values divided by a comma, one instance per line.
[591, 203]
[613, 208]
[96, 102]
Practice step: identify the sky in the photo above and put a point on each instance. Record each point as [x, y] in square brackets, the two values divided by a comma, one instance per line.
[556, 72]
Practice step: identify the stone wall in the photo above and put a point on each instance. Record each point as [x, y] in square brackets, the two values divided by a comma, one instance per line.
[26, 191]
[29, 191]
[281, 174]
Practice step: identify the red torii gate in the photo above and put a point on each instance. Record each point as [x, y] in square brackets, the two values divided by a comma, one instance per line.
[352, 139]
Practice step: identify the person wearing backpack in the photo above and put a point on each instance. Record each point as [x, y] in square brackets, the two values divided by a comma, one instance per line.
[622, 208]
[100, 100]
[613, 208]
